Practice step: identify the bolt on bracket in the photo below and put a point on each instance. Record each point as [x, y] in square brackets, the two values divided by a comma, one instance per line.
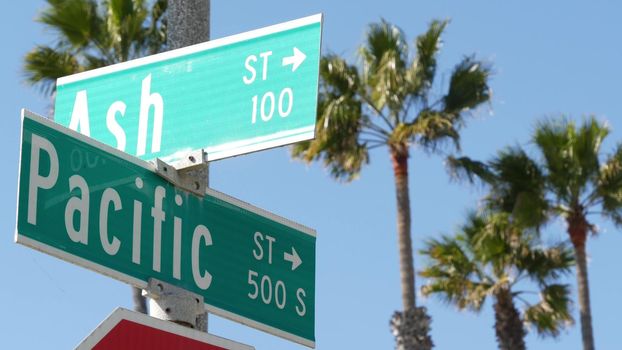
[172, 303]
[180, 172]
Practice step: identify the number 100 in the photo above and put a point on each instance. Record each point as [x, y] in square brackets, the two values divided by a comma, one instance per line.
[266, 106]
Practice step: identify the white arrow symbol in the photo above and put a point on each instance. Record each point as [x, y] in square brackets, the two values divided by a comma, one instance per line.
[294, 258]
[295, 60]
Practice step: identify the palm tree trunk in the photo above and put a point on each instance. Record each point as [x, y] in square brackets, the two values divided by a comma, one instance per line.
[508, 326]
[584, 299]
[399, 158]
[577, 229]
[411, 327]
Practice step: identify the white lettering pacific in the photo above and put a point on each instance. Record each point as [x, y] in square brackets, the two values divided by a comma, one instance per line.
[158, 217]
[78, 206]
[203, 280]
[177, 241]
[137, 225]
[36, 180]
[109, 196]
[44, 176]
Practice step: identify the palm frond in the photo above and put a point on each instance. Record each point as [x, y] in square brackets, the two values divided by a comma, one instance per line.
[552, 313]
[43, 65]
[449, 252]
[369, 105]
[546, 265]
[492, 238]
[465, 168]
[609, 186]
[383, 39]
[75, 20]
[429, 128]
[94, 61]
[452, 275]
[340, 122]
[554, 140]
[423, 69]
[384, 56]
[155, 35]
[586, 147]
[124, 20]
[482, 260]
[90, 37]
[468, 87]
[519, 187]
[437, 128]
[338, 77]
[571, 155]
[464, 294]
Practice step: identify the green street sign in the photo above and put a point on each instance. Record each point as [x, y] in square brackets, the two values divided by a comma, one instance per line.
[92, 205]
[230, 96]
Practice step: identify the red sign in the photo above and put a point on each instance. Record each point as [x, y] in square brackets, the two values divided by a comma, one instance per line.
[128, 330]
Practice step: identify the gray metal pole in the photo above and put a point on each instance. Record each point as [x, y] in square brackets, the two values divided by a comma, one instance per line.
[188, 24]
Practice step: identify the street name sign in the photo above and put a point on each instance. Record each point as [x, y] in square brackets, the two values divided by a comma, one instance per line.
[129, 330]
[95, 206]
[229, 96]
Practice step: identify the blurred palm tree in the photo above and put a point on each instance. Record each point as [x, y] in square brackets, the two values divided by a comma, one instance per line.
[92, 34]
[571, 179]
[387, 100]
[492, 256]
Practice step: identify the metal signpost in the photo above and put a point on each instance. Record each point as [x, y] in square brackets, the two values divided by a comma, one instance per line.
[95, 206]
[229, 96]
[128, 330]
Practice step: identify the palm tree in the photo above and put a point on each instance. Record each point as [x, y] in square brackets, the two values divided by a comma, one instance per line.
[386, 100]
[492, 256]
[92, 34]
[571, 179]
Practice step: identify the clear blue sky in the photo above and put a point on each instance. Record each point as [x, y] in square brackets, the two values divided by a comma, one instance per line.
[549, 58]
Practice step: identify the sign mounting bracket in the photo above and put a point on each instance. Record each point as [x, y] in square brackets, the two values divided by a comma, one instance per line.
[180, 173]
[172, 303]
